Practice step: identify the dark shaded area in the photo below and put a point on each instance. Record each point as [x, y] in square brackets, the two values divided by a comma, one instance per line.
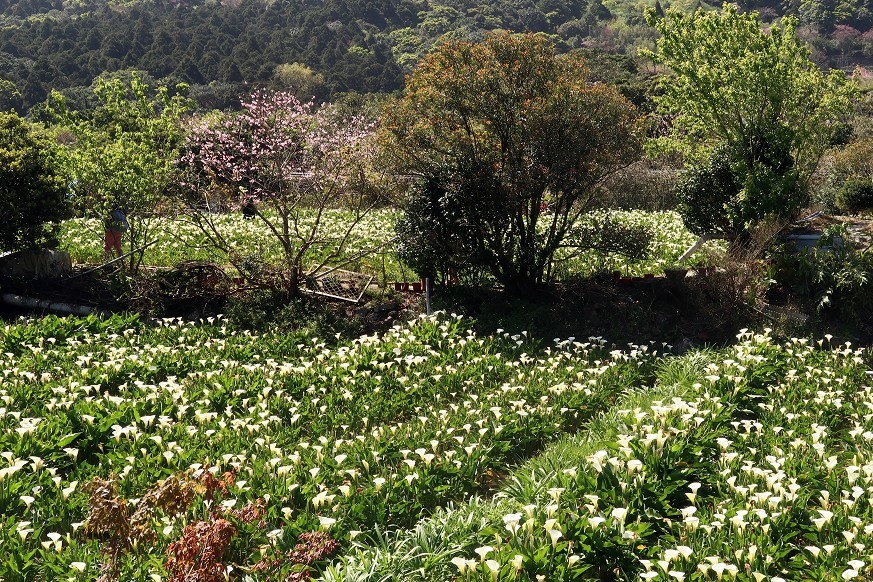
[196, 290]
[681, 312]
[94, 290]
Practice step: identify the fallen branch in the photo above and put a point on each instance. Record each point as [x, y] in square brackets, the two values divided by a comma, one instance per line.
[113, 261]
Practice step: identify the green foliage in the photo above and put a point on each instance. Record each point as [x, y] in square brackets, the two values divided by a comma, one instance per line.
[10, 96]
[705, 191]
[753, 94]
[855, 195]
[725, 198]
[515, 140]
[265, 310]
[432, 237]
[852, 163]
[734, 83]
[607, 235]
[31, 191]
[360, 46]
[832, 279]
[355, 46]
[122, 153]
[305, 83]
[623, 72]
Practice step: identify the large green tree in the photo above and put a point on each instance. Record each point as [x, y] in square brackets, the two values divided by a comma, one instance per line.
[745, 101]
[122, 153]
[31, 193]
[510, 141]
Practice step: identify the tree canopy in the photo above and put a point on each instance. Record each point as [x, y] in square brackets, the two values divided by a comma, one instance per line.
[514, 140]
[31, 193]
[754, 93]
[122, 153]
[354, 45]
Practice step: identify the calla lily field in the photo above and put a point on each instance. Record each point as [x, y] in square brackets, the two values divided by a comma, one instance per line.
[177, 450]
[178, 240]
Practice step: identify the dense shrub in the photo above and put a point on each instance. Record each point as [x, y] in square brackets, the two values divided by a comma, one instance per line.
[519, 137]
[644, 185]
[609, 235]
[832, 280]
[432, 238]
[855, 195]
[727, 197]
[31, 194]
[705, 194]
[854, 162]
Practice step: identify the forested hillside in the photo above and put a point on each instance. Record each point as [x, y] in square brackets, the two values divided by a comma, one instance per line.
[321, 48]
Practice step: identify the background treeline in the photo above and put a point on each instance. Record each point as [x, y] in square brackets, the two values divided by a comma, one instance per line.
[345, 45]
[322, 48]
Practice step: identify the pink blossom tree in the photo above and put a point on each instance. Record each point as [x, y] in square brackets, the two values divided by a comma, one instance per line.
[288, 163]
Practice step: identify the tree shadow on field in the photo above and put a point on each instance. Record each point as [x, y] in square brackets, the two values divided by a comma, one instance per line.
[680, 313]
[694, 311]
[199, 290]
